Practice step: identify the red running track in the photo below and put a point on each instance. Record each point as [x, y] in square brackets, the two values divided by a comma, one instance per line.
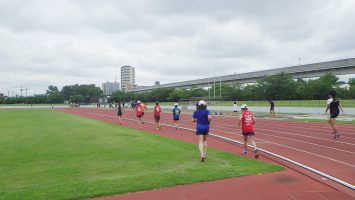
[308, 143]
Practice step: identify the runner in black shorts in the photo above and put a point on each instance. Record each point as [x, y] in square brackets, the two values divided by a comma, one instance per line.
[157, 111]
[334, 107]
[119, 113]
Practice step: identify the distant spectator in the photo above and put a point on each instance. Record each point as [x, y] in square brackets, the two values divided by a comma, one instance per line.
[334, 107]
[235, 108]
[272, 107]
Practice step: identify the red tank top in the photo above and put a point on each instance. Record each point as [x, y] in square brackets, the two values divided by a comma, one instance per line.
[157, 110]
[247, 122]
[139, 110]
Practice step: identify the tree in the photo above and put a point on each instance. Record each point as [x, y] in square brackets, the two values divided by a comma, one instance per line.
[280, 86]
[319, 88]
[54, 95]
[78, 98]
[351, 92]
[90, 92]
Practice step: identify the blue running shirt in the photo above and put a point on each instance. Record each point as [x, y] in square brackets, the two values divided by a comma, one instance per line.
[201, 116]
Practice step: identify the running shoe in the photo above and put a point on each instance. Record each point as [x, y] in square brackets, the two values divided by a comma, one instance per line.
[244, 151]
[203, 158]
[256, 153]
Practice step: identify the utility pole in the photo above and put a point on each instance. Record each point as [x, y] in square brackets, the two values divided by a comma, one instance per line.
[26, 91]
[220, 86]
[209, 89]
[21, 90]
[115, 74]
[214, 82]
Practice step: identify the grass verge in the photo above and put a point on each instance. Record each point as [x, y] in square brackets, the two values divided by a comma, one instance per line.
[51, 155]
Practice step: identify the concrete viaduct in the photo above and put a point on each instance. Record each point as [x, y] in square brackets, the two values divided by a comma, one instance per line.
[337, 67]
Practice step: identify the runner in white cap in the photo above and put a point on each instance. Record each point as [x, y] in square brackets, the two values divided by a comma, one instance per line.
[247, 121]
[139, 111]
[203, 118]
[176, 115]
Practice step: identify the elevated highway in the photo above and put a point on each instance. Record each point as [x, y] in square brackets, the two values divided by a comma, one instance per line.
[337, 67]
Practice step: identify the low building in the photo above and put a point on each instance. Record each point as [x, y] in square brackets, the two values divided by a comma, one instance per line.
[110, 87]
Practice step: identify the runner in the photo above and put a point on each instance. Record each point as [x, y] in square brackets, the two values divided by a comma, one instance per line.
[235, 108]
[139, 111]
[144, 106]
[176, 115]
[333, 105]
[203, 118]
[247, 121]
[157, 111]
[272, 107]
[119, 113]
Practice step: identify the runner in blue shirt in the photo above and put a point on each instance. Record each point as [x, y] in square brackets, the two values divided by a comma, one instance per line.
[176, 115]
[203, 118]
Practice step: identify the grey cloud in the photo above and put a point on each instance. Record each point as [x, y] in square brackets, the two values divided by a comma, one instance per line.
[65, 42]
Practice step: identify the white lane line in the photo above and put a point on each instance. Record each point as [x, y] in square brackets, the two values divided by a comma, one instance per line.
[333, 148]
[324, 128]
[305, 129]
[258, 125]
[298, 150]
[283, 132]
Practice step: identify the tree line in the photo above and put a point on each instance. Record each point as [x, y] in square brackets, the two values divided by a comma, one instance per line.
[281, 86]
[277, 87]
[86, 93]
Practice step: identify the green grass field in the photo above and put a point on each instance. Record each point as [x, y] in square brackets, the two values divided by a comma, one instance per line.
[22, 104]
[51, 155]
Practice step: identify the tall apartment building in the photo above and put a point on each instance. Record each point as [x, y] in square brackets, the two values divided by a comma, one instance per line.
[110, 87]
[128, 78]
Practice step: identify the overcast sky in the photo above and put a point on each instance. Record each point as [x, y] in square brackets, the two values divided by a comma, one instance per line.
[61, 42]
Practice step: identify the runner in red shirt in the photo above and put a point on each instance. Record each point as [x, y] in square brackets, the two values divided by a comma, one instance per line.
[247, 120]
[139, 113]
[157, 111]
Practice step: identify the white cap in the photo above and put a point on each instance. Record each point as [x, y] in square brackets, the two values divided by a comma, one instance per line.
[244, 106]
[202, 102]
[176, 104]
[138, 101]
